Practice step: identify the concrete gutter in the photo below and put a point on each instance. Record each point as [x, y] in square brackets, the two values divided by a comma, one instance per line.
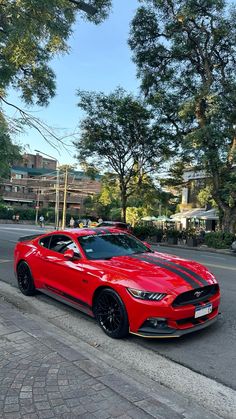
[197, 248]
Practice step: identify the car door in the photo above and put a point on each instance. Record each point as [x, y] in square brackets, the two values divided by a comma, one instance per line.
[63, 277]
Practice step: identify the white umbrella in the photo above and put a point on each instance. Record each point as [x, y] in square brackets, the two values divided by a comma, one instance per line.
[165, 219]
[149, 218]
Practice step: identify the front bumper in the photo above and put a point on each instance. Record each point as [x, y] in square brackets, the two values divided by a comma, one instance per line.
[168, 332]
[177, 321]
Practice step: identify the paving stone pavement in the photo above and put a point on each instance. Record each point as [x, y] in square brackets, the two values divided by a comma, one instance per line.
[44, 375]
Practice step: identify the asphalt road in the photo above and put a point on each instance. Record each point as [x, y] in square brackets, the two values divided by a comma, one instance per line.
[210, 352]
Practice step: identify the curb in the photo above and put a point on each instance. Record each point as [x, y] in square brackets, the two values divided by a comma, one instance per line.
[198, 249]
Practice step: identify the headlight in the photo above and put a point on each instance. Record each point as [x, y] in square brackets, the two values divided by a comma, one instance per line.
[145, 295]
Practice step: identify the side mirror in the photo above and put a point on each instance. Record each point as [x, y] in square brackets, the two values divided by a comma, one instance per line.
[69, 254]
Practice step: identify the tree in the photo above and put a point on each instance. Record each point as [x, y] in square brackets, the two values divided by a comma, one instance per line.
[33, 32]
[186, 56]
[9, 151]
[117, 135]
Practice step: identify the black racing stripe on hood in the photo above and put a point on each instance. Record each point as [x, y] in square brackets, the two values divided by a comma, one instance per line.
[183, 268]
[182, 275]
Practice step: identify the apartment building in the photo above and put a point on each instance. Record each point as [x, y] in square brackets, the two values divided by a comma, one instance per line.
[33, 182]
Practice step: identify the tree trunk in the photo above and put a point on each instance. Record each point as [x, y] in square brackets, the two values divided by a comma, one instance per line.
[229, 220]
[124, 206]
[123, 195]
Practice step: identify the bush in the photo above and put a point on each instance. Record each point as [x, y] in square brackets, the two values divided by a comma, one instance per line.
[144, 231]
[171, 233]
[219, 240]
[5, 213]
[29, 214]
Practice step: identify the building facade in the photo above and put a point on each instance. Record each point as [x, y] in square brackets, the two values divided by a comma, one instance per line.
[191, 214]
[34, 180]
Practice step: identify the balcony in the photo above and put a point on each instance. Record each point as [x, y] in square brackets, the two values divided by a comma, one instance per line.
[18, 196]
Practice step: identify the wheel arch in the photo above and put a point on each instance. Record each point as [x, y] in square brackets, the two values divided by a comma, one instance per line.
[99, 290]
[20, 261]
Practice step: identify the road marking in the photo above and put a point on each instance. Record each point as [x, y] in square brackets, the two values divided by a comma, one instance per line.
[20, 229]
[5, 260]
[220, 266]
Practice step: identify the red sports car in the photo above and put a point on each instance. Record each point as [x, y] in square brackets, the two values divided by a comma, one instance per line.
[120, 281]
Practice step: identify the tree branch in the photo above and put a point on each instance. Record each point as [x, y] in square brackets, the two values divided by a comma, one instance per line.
[46, 132]
[87, 8]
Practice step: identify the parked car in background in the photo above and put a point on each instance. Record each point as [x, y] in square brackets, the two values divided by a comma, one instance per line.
[233, 246]
[116, 224]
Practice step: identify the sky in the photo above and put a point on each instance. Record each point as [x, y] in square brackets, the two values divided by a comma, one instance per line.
[99, 60]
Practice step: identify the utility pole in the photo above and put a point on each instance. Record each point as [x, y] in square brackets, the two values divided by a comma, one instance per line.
[57, 203]
[37, 208]
[57, 198]
[66, 167]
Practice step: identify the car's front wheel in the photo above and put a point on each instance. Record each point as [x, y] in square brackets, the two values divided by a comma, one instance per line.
[25, 279]
[111, 314]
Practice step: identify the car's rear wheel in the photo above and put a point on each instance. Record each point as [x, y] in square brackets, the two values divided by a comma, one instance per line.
[111, 314]
[25, 279]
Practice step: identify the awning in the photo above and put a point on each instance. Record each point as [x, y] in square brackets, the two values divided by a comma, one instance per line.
[197, 213]
[17, 199]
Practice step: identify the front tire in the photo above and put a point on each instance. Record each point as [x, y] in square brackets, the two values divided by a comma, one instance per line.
[25, 279]
[111, 314]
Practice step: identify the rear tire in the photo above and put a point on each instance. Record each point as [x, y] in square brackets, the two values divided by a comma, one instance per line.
[111, 314]
[25, 279]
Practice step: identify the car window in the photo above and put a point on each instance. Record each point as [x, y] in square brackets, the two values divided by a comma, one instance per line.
[106, 246]
[45, 241]
[60, 243]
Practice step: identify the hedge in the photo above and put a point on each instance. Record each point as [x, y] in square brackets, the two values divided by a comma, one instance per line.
[219, 240]
[143, 232]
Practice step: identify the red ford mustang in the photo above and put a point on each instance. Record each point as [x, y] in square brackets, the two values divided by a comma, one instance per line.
[120, 281]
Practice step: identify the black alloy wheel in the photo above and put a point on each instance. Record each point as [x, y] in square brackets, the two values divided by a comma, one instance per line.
[25, 279]
[111, 314]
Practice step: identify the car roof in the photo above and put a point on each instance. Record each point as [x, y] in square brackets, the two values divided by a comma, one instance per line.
[79, 232]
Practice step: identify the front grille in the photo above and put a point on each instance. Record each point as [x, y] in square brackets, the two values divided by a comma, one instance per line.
[194, 321]
[191, 297]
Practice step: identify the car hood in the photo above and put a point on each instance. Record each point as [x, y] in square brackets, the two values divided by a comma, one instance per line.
[154, 271]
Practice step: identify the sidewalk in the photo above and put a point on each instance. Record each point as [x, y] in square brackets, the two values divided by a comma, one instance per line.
[47, 373]
[202, 248]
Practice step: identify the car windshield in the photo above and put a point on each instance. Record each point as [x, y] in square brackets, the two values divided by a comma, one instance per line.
[106, 246]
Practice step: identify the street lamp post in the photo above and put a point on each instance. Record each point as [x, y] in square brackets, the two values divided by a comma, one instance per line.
[57, 199]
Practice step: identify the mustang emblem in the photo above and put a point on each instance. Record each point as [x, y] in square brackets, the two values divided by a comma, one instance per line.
[198, 293]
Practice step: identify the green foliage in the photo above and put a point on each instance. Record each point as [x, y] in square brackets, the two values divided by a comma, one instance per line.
[219, 240]
[6, 213]
[205, 196]
[172, 233]
[32, 33]
[9, 152]
[115, 214]
[185, 54]
[133, 215]
[146, 231]
[117, 133]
